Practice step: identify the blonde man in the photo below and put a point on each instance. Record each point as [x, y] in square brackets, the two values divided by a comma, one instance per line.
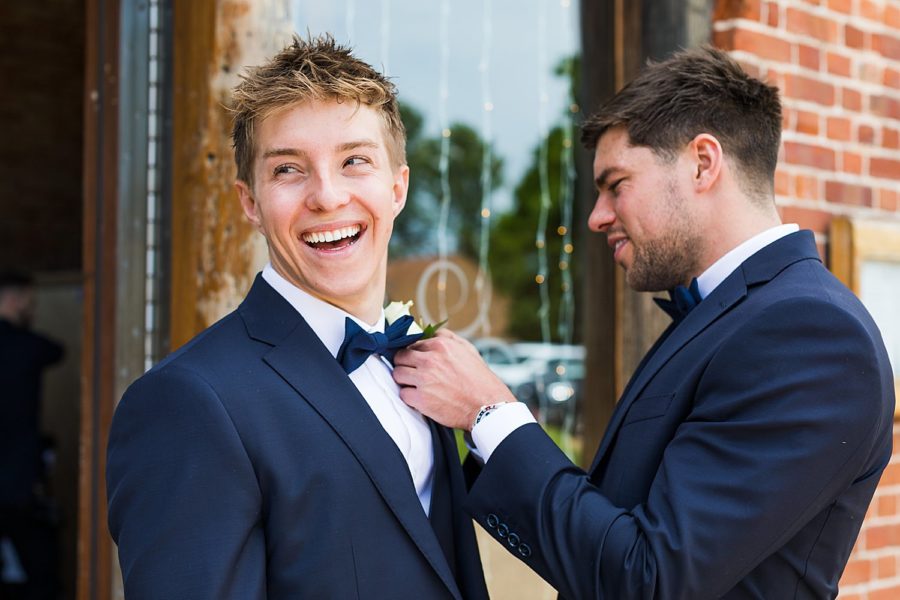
[255, 462]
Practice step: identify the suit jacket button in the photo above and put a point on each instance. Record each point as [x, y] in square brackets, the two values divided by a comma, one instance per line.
[492, 520]
[513, 540]
[502, 530]
[524, 550]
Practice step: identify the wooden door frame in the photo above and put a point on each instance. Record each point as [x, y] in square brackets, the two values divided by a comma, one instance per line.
[99, 264]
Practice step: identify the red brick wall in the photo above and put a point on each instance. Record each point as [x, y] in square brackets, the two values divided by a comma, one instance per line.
[837, 64]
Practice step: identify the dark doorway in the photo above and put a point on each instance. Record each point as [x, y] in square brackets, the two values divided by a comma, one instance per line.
[42, 49]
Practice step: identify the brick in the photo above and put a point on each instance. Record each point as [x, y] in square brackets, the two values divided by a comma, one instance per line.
[806, 187]
[882, 536]
[891, 78]
[851, 163]
[887, 503]
[866, 134]
[839, 128]
[871, 10]
[724, 39]
[851, 99]
[838, 64]
[807, 154]
[892, 16]
[842, 6]
[889, 168]
[846, 193]
[870, 71]
[806, 218]
[889, 200]
[782, 183]
[886, 45]
[809, 57]
[890, 138]
[807, 122]
[884, 106]
[854, 38]
[886, 567]
[807, 88]
[772, 14]
[736, 9]
[889, 593]
[806, 23]
[762, 45]
[857, 571]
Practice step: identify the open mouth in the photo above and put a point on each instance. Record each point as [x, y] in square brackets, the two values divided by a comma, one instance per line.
[333, 239]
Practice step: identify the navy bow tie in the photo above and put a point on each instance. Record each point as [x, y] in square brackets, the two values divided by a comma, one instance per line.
[681, 300]
[359, 344]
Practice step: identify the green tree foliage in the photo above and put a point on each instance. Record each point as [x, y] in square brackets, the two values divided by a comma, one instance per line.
[514, 254]
[415, 230]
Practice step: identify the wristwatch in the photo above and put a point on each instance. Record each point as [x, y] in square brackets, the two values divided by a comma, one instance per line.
[485, 411]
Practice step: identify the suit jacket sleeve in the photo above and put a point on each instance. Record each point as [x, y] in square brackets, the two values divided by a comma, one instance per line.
[184, 503]
[782, 418]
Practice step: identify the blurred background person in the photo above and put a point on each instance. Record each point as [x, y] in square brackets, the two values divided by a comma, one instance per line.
[28, 524]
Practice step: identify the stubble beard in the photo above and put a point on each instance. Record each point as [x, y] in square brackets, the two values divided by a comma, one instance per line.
[671, 258]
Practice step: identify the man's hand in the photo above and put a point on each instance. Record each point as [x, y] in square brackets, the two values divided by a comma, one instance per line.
[445, 379]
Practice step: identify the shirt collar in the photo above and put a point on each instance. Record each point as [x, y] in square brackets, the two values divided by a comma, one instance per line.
[326, 320]
[725, 266]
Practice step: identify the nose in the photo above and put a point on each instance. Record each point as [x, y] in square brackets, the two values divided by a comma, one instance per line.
[602, 216]
[326, 194]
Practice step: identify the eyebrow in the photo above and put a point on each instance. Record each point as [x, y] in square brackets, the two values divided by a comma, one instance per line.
[361, 143]
[344, 147]
[600, 181]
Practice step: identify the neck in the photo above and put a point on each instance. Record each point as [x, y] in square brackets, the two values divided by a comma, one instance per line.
[734, 225]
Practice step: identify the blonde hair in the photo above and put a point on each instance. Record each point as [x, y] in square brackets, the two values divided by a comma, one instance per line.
[307, 70]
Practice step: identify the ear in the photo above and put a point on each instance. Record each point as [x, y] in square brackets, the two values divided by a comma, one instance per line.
[400, 189]
[248, 202]
[706, 155]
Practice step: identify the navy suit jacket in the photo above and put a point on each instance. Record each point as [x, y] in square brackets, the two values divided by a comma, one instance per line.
[247, 465]
[739, 462]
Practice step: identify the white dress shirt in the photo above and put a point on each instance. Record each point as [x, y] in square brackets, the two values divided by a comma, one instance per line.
[492, 430]
[407, 427]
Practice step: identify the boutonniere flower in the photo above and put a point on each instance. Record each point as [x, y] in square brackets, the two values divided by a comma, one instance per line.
[398, 310]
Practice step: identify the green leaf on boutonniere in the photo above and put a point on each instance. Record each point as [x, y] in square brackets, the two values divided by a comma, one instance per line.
[429, 330]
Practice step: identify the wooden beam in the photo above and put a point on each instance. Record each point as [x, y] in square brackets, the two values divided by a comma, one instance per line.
[99, 265]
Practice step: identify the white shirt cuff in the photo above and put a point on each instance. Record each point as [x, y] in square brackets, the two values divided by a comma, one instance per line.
[494, 428]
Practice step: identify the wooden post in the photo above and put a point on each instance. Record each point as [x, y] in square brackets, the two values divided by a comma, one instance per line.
[99, 264]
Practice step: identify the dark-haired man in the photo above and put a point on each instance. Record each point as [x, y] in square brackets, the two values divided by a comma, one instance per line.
[24, 355]
[744, 452]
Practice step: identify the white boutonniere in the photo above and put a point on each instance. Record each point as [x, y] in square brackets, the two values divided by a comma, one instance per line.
[398, 310]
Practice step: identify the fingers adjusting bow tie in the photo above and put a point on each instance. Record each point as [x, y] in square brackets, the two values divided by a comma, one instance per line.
[681, 300]
[359, 344]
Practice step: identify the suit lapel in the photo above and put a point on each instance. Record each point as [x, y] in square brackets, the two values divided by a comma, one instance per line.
[758, 269]
[672, 340]
[300, 358]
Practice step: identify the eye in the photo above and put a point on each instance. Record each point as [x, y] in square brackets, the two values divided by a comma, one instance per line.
[355, 161]
[614, 187]
[283, 169]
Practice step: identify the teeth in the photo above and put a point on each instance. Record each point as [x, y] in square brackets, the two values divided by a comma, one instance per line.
[318, 237]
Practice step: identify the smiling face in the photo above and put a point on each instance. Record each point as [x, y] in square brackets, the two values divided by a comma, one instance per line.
[646, 216]
[325, 195]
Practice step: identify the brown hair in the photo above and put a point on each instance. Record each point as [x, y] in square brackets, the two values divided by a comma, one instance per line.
[313, 69]
[700, 90]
